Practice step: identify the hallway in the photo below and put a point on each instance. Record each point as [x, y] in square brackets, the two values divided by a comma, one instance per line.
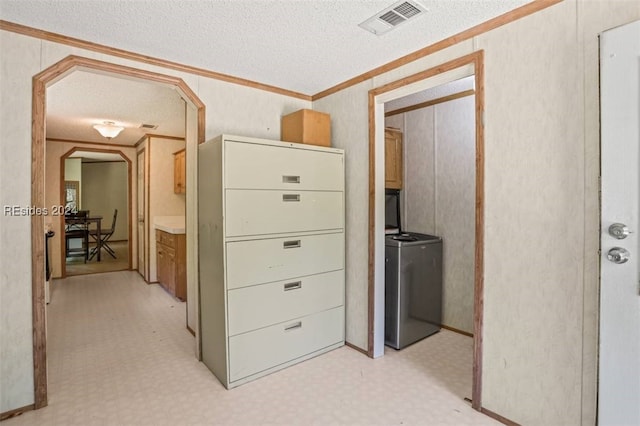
[119, 354]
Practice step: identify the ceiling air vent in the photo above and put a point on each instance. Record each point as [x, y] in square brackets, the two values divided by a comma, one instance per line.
[392, 16]
[149, 126]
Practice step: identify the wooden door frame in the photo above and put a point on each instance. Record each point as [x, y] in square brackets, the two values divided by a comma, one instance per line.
[142, 238]
[63, 269]
[477, 60]
[40, 82]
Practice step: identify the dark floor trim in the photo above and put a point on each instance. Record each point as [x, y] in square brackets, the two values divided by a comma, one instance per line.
[455, 330]
[14, 413]
[352, 346]
[498, 417]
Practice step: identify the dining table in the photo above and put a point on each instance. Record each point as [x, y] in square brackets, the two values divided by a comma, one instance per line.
[88, 220]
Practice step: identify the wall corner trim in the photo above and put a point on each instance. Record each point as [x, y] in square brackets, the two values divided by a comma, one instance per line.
[484, 27]
[498, 417]
[16, 412]
[121, 53]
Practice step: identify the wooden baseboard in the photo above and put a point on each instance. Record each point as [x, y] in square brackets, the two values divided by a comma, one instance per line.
[498, 417]
[352, 346]
[18, 411]
[191, 331]
[455, 330]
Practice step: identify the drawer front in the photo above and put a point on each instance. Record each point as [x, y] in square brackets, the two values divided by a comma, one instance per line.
[170, 252]
[267, 304]
[255, 212]
[165, 238]
[254, 166]
[259, 350]
[274, 259]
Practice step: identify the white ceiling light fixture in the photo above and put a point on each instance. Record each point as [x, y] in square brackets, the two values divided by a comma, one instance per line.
[389, 18]
[108, 129]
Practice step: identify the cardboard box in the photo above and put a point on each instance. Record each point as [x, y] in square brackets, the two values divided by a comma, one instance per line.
[308, 127]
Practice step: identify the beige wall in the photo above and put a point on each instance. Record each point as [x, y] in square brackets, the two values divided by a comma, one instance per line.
[16, 365]
[53, 153]
[541, 213]
[229, 108]
[439, 194]
[534, 189]
[105, 188]
[349, 131]
[541, 200]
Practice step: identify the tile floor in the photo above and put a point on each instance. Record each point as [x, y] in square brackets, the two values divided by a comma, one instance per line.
[77, 266]
[119, 354]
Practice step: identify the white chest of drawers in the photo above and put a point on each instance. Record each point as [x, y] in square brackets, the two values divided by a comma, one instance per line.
[271, 254]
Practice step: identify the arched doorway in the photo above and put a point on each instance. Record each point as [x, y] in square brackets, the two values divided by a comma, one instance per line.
[128, 161]
[40, 83]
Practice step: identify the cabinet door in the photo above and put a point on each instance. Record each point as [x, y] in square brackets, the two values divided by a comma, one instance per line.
[171, 270]
[393, 159]
[179, 173]
[180, 265]
[161, 264]
[166, 267]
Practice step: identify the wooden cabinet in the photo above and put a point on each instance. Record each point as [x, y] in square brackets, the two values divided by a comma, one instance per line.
[272, 250]
[172, 263]
[392, 159]
[179, 172]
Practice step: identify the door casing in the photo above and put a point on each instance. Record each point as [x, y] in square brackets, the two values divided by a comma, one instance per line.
[141, 192]
[472, 64]
[62, 186]
[41, 81]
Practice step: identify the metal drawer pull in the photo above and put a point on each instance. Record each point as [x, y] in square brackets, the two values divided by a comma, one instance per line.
[290, 179]
[290, 197]
[293, 326]
[292, 244]
[293, 286]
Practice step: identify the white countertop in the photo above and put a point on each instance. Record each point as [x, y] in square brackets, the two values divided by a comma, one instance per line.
[170, 224]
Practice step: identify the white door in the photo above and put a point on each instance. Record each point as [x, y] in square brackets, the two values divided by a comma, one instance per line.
[619, 365]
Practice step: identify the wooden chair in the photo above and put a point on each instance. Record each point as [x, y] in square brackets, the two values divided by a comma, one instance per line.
[77, 229]
[104, 238]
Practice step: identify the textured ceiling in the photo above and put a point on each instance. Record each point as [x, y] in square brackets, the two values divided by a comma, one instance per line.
[441, 91]
[305, 46]
[82, 99]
